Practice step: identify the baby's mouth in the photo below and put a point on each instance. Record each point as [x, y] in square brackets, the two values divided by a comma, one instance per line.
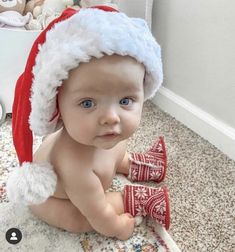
[110, 135]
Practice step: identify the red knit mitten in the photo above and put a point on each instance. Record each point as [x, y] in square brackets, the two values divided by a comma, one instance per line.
[147, 201]
[150, 165]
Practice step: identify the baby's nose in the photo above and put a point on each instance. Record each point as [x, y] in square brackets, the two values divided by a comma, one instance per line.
[109, 117]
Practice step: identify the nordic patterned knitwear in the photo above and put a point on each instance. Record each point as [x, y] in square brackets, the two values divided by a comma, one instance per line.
[150, 165]
[148, 201]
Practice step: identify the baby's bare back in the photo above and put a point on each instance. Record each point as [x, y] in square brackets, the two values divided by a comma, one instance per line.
[57, 151]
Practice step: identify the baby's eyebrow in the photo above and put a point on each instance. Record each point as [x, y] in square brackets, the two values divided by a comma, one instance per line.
[86, 90]
[91, 91]
[127, 87]
[133, 88]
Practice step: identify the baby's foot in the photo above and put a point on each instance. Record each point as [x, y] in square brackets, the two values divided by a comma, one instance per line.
[151, 165]
[148, 201]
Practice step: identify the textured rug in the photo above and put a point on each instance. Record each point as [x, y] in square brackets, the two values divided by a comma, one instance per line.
[38, 236]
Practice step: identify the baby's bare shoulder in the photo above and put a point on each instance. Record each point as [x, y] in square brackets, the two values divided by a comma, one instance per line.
[76, 173]
[71, 159]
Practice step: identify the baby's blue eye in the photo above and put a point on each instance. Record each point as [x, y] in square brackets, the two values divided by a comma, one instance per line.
[125, 101]
[87, 104]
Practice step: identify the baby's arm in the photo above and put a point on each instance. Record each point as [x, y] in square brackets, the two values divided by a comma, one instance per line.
[87, 194]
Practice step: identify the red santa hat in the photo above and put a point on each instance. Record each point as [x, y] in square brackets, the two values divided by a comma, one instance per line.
[72, 38]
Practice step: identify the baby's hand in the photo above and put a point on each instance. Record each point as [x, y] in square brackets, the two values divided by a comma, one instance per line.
[128, 226]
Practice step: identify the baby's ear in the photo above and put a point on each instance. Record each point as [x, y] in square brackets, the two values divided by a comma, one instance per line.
[144, 75]
[59, 123]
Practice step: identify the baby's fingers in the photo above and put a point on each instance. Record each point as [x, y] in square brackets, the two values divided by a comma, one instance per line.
[129, 215]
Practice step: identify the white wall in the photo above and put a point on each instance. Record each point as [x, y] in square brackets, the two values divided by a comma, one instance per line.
[198, 47]
[136, 8]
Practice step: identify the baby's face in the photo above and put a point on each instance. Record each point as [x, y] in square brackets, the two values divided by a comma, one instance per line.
[101, 102]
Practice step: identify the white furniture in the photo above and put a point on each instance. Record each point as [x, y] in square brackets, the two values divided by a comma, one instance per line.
[15, 47]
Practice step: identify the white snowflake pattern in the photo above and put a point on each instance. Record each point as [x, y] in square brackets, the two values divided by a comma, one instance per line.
[141, 193]
[161, 208]
[140, 211]
[134, 174]
[155, 174]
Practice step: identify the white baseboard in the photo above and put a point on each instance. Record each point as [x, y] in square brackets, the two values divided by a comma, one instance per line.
[215, 131]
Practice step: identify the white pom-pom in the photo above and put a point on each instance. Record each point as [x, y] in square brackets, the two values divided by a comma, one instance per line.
[31, 183]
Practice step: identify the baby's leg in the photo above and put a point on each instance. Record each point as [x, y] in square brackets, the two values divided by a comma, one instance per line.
[61, 213]
[124, 167]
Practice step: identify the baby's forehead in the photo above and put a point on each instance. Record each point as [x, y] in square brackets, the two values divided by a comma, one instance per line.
[113, 58]
[107, 86]
[104, 86]
[110, 61]
[119, 71]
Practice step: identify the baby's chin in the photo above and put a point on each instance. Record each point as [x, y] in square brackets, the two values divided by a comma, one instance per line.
[108, 144]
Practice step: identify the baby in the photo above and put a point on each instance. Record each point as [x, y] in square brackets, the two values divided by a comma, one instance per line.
[86, 79]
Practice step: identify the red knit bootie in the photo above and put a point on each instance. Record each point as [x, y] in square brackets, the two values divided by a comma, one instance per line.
[147, 201]
[150, 165]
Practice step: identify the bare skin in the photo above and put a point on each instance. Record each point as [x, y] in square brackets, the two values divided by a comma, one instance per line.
[91, 147]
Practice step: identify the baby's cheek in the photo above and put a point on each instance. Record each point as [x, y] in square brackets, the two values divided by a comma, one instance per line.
[78, 128]
[85, 129]
[132, 124]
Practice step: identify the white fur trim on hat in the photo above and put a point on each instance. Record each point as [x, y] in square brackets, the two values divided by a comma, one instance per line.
[31, 183]
[88, 33]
